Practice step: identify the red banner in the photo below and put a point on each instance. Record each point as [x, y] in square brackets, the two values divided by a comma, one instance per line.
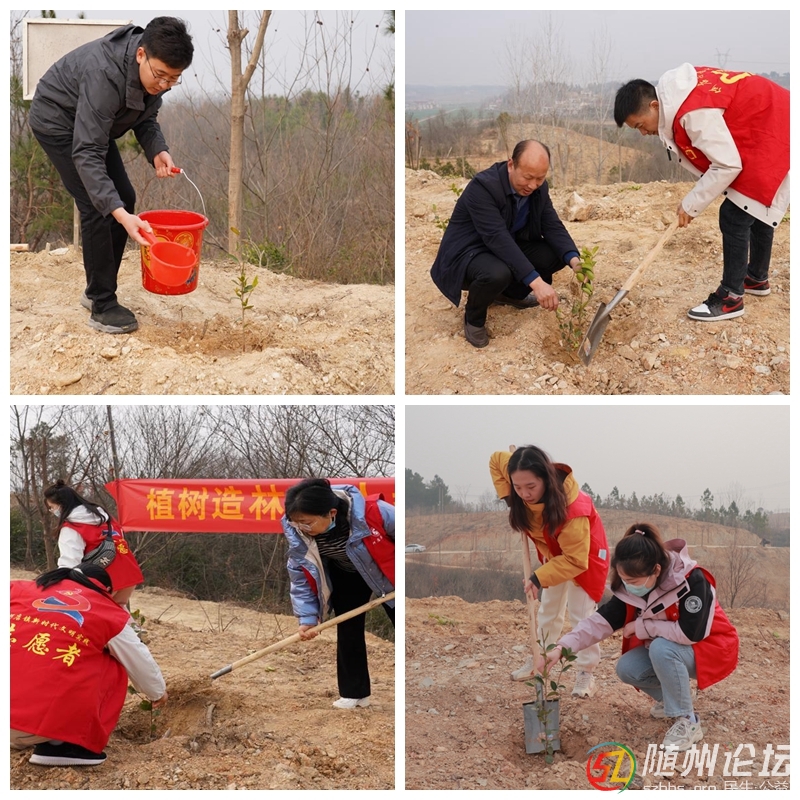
[215, 506]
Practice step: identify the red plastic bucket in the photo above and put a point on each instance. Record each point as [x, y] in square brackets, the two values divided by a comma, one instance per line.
[183, 227]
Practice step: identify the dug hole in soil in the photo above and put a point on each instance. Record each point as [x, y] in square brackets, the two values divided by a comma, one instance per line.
[302, 337]
[649, 347]
[464, 723]
[266, 725]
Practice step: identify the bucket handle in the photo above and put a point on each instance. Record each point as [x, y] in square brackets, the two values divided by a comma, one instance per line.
[179, 171]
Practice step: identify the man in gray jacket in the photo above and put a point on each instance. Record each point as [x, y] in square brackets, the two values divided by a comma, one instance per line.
[86, 100]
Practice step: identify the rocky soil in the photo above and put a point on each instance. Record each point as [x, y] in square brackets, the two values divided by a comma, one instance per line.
[301, 337]
[464, 724]
[266, 725]
[650, 345]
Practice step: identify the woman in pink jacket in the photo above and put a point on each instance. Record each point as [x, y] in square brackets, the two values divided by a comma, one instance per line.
[672, 625]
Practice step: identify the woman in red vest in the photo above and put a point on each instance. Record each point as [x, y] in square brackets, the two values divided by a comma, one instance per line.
[72, 654]
[546, 504]
[341, 550]
[672, 625]
[85, 532]
[731, 131]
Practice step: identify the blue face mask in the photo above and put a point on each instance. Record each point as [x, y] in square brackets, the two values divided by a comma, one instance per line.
[639, 591]
[331, 526]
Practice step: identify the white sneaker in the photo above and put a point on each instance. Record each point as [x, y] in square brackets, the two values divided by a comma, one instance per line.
[351, 702]
[584, 685]
[682, 735]
[524, 672]
[657, 710]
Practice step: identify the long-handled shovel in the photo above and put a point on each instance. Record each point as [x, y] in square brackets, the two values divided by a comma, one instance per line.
[601, 319]
[296, 637]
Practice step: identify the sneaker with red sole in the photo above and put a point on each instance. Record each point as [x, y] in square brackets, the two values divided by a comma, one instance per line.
[751, 286]
[719, 305]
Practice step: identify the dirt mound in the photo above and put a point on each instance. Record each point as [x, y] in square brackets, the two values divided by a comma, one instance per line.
[267, 725]
[302, 337]
[464, 727]
[650, 346]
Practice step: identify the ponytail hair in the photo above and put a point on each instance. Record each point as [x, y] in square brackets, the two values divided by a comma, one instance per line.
[638, 552]
[68, 500]
[89, 575]
[312, 496]
[534, 459]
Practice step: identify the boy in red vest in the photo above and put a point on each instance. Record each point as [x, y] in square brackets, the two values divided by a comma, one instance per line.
[730, 130]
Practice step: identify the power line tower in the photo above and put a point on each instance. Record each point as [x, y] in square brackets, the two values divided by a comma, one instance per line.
[722, 58]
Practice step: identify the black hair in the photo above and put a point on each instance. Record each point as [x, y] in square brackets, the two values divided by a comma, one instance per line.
[81, 575]
[522, 146]
[310, 496]
[68, 499]
[632, 98]
[638, 552]
[167, 39]
[535, 460]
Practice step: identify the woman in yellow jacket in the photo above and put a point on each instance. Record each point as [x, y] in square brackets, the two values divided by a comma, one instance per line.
[546, 504]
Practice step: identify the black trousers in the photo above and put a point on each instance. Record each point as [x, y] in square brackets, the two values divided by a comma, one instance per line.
[103, 238]
[746, 247]
[488, 276]
[349, 591]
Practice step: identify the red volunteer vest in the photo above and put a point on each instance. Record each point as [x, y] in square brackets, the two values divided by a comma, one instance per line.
[64, 684]
[757, 115]
[593, 580]
[379, 545]
[716, 656]
[124, 570]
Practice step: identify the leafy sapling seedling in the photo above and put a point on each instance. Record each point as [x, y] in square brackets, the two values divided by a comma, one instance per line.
[548, 688]
[572, 324]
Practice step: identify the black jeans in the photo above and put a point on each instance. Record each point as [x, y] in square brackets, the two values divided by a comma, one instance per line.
[103, 239]
[488, 276]
[349, 591]
[746, 247]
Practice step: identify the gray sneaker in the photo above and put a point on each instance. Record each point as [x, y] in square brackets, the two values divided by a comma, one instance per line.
[682, 735]
[657, 710]
[86, 302]
[117, 319]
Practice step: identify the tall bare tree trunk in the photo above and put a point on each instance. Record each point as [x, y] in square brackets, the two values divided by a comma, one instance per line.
[239, 82]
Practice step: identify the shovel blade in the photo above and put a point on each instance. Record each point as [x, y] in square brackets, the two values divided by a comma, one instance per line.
[594, 334]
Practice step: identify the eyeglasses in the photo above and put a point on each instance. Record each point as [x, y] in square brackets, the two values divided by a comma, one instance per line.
[301, 527]
[160, 77]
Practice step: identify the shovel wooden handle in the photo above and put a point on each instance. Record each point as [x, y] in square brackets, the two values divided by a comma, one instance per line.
[526, 564]
[296, 636]
[634, 276]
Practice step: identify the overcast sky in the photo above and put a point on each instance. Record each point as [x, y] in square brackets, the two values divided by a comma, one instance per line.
[643, 449]
[372, 55]
[445, 48]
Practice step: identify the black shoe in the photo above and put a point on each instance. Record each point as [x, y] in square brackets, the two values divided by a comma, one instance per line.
[65, 755]
[760, 288]
[526, 302]
[720, 305]
[477, 337]
[116, 319]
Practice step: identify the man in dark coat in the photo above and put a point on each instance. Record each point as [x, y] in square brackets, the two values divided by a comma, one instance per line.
[87, 99]
[504, 241]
